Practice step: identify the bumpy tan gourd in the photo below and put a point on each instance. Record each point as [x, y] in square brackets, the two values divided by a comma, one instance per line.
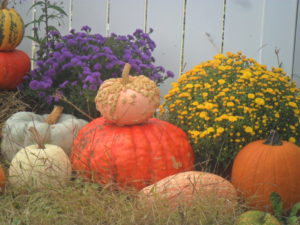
[128, 100]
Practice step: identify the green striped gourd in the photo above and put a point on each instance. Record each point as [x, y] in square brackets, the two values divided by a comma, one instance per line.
[11, 28]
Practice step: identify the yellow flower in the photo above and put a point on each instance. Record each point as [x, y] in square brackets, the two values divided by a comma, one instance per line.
[222, 93]
[220, 130]
[232, 118]
[210, 129]
[204, 94]
[207, 85]
[292, 139]
[293, 104]
[259, 101]
[221, 81]
[184, 94]
[203, 114]
[251, 96]
[248, 129]
[188, 86]
[219, 56]
[230, 104]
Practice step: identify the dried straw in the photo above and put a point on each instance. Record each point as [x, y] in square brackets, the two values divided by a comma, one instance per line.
[10, 103]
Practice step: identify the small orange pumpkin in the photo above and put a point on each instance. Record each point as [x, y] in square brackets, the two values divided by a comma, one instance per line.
[2, 179]
[183, 187]
[14, 65]
[267, 166]
[128, 100]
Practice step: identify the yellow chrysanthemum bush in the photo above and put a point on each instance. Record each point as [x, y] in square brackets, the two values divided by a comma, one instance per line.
[225, 103]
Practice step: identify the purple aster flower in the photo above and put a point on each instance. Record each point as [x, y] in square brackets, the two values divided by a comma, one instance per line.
[64, 84]
[79, 62]
[86, 29]
[49, 99]
[34, 85]
[97, 66]
[170, 74]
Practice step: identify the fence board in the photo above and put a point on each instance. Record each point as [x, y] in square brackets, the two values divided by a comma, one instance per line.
[279, 32]
[202, 17]
[165, 17]
[296, 65]
[91, 13]
[243, 27]
[126, 16]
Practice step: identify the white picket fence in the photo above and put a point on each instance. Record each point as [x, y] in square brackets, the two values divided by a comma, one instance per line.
[188, 32]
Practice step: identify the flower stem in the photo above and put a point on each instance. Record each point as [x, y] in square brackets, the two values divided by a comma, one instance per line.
[4, 4]
[53, 117]
[273, 139]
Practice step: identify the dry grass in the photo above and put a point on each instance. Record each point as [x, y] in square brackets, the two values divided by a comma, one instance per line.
[10, 103]
[82, 203]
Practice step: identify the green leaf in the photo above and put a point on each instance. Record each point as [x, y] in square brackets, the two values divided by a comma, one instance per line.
[36, 4]
[277, 205]
[34, 39]
[293, 218]
[36, 21]
[51, 28]
[57, 8]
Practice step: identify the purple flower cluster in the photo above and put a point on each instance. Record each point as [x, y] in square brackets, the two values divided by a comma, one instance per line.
[81, 60]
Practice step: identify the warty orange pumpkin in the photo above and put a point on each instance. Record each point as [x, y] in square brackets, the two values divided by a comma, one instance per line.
[131, 156]
[128, 100]
[267, 166]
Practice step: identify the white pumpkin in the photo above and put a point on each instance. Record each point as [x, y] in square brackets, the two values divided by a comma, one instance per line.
[15, 133]
[40, 167]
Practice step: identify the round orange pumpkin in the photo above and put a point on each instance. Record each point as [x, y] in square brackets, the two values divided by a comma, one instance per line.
[267, 166]
[14, 65]
[131, 156]
[183, 188]
[128, 100]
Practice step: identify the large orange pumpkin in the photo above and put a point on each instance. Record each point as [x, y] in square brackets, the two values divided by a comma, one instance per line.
[267, 166]
[14, 65]
[183, 188]
[131, 156]
[128, 100]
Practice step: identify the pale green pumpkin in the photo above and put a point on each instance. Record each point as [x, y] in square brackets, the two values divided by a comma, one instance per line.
[16, 135]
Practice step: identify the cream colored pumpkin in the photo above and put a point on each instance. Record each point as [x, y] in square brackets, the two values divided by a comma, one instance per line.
[38, 167]
[15, 134]
[128, 100]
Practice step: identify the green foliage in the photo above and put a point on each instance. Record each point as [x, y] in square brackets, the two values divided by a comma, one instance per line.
[290, 218]
[51, 11]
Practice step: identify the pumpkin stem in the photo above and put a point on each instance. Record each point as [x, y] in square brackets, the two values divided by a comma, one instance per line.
[53, 117]
[37, 137]
[125, 73]
[4, 4]
[273, 138]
